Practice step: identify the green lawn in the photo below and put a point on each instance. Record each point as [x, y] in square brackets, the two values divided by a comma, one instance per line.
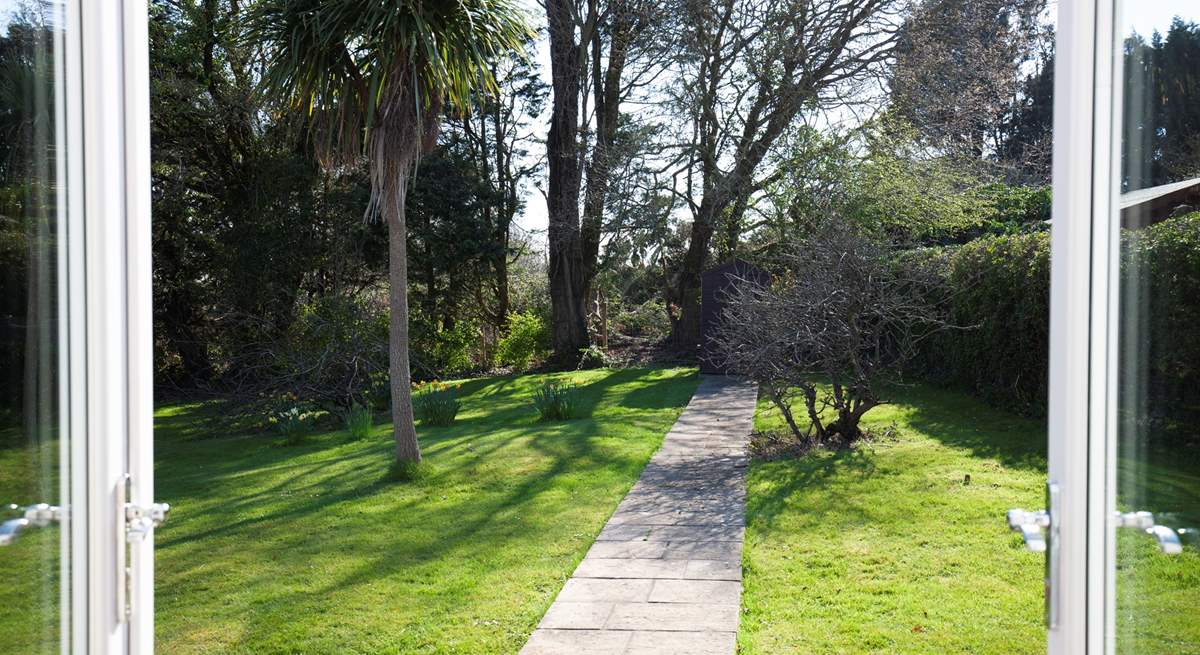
[305, 549]
[885, 549]
[29, 567]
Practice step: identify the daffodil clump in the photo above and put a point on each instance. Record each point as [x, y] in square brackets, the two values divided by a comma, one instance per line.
[556, 401]
[293, 420]
[436, 403]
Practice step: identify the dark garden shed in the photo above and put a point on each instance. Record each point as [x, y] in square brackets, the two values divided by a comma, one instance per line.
[714, 284]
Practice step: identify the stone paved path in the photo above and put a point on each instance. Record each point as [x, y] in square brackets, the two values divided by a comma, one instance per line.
[664, 576]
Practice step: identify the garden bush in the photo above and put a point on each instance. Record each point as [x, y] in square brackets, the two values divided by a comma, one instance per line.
[556, 401]
[648, 320]
[1011, 208]
[528, 339]
[999, 301]
[439, 352]
[844, 310]
[1161, 272]
[435, 403]
[593, 357]
[1000, 295]
[359, 420]
[334, 353]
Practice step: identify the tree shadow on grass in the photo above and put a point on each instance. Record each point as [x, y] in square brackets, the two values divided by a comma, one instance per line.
[776, 483]
[660, 394]
[959, 420]
[462, 529]
[568, 446]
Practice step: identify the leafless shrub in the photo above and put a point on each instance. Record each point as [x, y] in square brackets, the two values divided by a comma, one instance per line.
[838, 324]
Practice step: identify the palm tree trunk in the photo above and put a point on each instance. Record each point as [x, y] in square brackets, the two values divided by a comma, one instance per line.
[403, 427]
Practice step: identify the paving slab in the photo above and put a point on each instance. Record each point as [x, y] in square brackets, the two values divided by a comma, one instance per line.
[548, 641]
[680, 643]
[664, 574]
[730, 551]
[606, 590]
[695, 591]
[675, 617]
[629, 549]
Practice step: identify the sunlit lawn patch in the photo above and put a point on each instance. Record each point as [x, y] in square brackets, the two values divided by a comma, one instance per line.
[886, 548]
[308, 549]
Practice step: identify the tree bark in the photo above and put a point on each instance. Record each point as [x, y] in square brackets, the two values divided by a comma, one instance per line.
[607, 94]
[568, 299]
[685, 294]
[403, 425]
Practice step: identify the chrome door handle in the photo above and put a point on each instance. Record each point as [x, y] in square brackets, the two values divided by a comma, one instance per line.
[1039, 530]
[141, 521]
[1031, 525]
[1167, 539]
[39, 515]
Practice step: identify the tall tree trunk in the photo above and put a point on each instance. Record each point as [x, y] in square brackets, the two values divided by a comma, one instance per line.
[500, 277]
[568, 299]
[403, 426]
[607, 94]
[685, 331]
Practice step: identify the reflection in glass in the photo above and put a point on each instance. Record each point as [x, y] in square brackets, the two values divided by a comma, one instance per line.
[31, 567]
[1158, 366]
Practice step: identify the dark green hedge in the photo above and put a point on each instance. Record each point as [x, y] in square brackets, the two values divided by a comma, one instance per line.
[999, 299]
[1161, 274]
[999, 292]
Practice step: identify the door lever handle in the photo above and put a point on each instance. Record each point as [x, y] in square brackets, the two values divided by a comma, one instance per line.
[34, 516]
[1032, 526]
[1039, 530]
[1167, 539]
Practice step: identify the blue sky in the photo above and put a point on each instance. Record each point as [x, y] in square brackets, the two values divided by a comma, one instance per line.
[1145, 16]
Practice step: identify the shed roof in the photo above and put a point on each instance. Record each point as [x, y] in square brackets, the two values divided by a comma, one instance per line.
[1149, 206]
[735, 264]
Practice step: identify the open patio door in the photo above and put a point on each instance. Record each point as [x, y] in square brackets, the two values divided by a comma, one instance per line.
[76, 503]
[1123, 493]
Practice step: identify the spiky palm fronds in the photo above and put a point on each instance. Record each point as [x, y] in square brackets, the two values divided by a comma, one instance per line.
[370, 77]
[356, 66]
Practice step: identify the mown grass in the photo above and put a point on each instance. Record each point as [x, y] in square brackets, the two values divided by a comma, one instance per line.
[886, 548]
[30, 567]
[310, 549]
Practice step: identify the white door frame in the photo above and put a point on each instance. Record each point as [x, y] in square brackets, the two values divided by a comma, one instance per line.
[1082, 342]
[108, 328]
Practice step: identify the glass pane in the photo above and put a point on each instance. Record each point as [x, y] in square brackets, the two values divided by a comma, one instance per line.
[1158, 367]
[32, 547]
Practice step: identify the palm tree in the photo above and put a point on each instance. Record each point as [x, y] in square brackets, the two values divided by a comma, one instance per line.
[370, 79]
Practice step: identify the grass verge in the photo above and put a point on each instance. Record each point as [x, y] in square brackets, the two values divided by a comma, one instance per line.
[315, 549]
[886, 548]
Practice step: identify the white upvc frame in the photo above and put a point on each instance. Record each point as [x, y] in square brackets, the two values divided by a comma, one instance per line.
[1105, 319]
[1082, 321]
[108, 332]
[135, 47]
[1070, 415]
